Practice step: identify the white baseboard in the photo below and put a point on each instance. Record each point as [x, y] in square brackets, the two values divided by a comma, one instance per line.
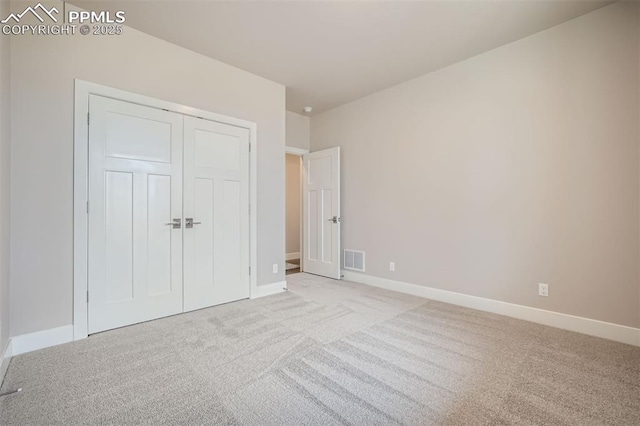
[605, 330]
[269, 289]
[292, 256]
[4, 361]
[56, 336]
[41, 339]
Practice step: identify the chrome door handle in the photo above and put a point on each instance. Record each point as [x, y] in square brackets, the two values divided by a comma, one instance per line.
[189, 222]
[176, 223]
[335, 219]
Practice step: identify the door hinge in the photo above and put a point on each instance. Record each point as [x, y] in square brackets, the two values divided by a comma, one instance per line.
[87, 297]
[249, 147]
[87, 207]
[249, 208]
[88, 119]
[249, 270]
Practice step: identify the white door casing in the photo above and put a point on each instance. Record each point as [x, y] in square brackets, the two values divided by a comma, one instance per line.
[84, 91]
[135, 187]
[321, 212]
[216, 200]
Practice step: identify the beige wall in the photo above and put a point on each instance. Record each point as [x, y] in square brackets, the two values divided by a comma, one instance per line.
[43, 70]
[298, 128]
[294, 204]
[5, 167]
[514, 167]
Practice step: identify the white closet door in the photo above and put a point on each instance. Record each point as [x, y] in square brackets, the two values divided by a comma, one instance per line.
[216, 199]
[135, 193]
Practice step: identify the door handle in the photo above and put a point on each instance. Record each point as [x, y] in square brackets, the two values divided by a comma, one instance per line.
[189, 222]
[176, 223]
[335, 219]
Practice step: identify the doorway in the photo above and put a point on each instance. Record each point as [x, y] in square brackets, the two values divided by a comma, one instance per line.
[293, 212]
[313, 211]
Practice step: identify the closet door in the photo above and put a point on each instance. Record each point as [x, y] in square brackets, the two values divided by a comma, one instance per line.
[135, 210]
[216, 211]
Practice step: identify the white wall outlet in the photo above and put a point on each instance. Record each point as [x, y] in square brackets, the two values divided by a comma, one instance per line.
[392, 266]
[275, 268]
[543, 290]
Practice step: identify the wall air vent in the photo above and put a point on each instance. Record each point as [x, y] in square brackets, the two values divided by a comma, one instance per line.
[354, 260]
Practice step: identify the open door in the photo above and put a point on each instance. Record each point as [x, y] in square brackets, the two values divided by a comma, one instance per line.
[321, 213]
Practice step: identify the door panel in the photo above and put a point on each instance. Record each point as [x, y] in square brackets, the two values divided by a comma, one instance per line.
[159, 234]
[122, 139]
[216, 150]
[328, 244]
[320, 205]
[119, 236]
[135, 187]
[311, 226]
[230, 230]
[202, 240]
[216, 196]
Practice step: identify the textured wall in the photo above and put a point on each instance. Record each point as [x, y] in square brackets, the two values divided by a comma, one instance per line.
[297, 130]
[5, 168]
[43, 71]
[514, 167]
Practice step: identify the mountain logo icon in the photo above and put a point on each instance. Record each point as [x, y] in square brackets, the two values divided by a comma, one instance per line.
[34, 11]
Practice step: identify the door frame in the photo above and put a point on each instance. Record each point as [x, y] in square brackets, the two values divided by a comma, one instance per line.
[83, 89]
[299, 152]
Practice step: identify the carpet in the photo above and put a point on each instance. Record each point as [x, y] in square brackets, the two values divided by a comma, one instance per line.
[328, 352]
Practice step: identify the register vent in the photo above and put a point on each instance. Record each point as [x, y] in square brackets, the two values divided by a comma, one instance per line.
[354, 260]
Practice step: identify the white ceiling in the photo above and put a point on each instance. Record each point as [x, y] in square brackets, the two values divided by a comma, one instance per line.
[328, 53]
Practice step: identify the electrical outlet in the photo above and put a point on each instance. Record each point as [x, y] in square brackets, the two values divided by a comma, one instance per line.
[392, 266]
[543, 290]
[275, 268]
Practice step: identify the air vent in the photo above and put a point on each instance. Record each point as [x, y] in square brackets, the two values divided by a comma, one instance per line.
[354, 260]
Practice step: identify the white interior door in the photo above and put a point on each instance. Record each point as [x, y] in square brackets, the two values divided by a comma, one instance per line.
[135, 194]
[216, 200]
[321, 213]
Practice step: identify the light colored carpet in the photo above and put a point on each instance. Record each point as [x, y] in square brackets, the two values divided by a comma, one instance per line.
[329, 352]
